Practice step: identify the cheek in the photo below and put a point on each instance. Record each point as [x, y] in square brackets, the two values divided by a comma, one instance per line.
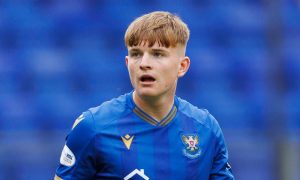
[170, 76]
[173, 72]
[129, 67]
[131, 72]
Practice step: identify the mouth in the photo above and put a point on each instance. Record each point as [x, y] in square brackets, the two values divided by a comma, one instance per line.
[147, 79]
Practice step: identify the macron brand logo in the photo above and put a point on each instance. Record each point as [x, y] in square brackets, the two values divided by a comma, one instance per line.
[127, 140]
[141, 173]
[67, 157]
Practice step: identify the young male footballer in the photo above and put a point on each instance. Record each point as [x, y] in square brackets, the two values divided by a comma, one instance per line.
[148, 133]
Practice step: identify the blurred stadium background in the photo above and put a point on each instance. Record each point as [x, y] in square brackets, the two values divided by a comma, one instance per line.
[58, 58]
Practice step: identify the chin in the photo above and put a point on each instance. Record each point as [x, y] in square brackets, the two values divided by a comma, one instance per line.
[147, 92]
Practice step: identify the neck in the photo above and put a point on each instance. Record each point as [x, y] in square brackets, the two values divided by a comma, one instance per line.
[156, 107]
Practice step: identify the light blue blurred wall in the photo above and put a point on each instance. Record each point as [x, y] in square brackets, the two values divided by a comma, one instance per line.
[58, 58]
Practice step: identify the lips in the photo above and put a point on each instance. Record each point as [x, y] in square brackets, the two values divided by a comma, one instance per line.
[147, 78]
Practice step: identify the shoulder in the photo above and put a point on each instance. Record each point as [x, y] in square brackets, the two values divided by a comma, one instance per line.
[201, 116]
[110, 110]
[90, 122]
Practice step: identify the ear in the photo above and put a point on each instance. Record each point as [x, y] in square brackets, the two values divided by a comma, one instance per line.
[126, 60]
[184, 66]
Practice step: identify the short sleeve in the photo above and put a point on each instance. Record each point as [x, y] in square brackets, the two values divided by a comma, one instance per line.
[77, 159]
[220, 168]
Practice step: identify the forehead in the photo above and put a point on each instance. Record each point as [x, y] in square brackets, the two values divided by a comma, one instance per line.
[145, 45]
[178, 50]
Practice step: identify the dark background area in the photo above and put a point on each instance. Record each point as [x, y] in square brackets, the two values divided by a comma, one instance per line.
[58, 58]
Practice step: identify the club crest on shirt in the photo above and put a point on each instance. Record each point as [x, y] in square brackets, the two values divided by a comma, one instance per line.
[191, 142]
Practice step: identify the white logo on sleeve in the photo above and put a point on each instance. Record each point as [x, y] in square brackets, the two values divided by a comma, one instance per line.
[67, 157]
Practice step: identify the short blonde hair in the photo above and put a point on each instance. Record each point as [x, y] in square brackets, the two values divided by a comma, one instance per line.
[163, 27]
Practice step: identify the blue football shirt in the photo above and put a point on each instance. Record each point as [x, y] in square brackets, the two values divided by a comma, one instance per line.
[117, 140]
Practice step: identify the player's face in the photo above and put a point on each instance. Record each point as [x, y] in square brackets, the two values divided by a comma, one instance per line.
[154, 70]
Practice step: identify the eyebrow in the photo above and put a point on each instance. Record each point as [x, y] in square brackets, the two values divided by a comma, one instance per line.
[134, 49]
[160, 51]
[152, 50]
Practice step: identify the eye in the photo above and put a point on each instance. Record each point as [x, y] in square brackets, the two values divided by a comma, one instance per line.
[135, 54]
[158, 54]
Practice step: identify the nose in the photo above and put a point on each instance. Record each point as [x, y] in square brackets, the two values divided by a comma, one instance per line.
[145, 62]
